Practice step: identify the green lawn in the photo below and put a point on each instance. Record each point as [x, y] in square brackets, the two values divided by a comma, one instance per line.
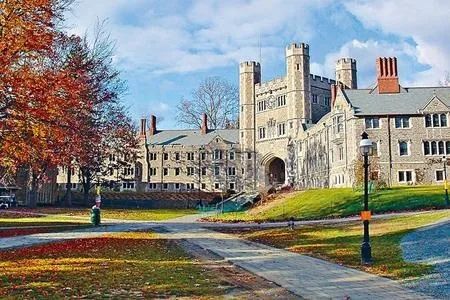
[136, 265]
[329, 203]
[341, 243]
[70, 216]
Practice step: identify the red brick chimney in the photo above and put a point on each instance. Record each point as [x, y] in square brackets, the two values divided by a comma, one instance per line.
[204, 128]
[334, 88]
[143, 128]
[387, 75]
[152, 125]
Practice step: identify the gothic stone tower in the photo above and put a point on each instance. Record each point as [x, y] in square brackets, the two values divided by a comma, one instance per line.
[249, 76]
[298, 85]
[346, 73]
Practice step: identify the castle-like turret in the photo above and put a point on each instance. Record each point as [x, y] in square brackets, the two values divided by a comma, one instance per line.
[346, 73]
[249, 75]
[298, 85]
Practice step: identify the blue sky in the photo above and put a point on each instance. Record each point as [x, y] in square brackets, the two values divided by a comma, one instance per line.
[165, 48]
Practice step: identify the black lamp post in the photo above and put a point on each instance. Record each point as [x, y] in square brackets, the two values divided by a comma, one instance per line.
[366, 149]
[445, 160]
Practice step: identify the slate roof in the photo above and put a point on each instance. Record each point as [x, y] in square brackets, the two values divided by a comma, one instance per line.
[192, 137]
[408, 102]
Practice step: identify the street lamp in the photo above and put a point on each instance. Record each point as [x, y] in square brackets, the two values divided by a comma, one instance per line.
[445, 160]
[366, 149]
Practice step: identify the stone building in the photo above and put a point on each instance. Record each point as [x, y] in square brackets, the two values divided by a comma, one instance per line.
[301, 130]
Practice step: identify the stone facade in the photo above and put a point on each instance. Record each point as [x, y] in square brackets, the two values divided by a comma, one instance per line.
[303, 130]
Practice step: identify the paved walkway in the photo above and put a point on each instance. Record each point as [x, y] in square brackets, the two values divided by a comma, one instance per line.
[305, 276]
[438, 255]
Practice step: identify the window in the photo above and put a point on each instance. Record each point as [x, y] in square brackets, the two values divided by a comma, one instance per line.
[281, 129]
[217, 185]
[203, 171]
[338, 124]
[190, 156]
[436, 120]
[190, 186]
[403, 148]
[375, 149]
[128, 185]
[232, 171]
[443, 120]
[262, 132]
[112, 157]
[203, 186]
[405, 176]
[262, 105]
[436, 147]
[165, 186]
[231, 155]
[203, 156]
[341, 153]
[327, 101]
[177, 171]
[439, 175]
[128, 171]
[281, 100]
[153, 156]
[111, 171]
[217, 154]
[177, 156]
[152, 186]
[297, 66]
[190, 171]
[152, 171]
[401, 122]
[231, 186]
[166, 171]
[249, 155]
[216, 170]
[177, 186]
[166, 156]
[373, 122]
[314, 98]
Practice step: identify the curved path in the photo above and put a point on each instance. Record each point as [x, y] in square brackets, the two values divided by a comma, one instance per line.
[437, 253]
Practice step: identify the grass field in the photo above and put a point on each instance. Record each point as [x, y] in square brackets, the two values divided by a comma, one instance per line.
[74, 216]
[329, 203]
[119, 266]
[341, 243]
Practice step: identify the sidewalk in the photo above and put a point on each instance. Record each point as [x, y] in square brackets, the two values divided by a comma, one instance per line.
[305, 276]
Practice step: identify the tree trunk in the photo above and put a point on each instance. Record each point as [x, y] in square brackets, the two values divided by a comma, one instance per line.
[33, 192]
[68, 195]
[86, 185]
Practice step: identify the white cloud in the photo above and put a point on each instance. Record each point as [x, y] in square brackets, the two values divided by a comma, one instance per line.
[365, 53]
[205, 35]
[426, 22]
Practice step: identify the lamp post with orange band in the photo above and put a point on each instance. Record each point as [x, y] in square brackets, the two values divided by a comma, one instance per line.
[445, 161]
[366, 149]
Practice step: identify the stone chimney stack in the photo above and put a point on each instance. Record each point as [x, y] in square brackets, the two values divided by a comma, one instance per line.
[334, 88]
[204, 128]
[152, 125]
[387, 75]
[143, 128]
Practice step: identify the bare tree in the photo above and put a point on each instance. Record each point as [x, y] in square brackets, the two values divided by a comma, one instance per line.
[217, 98]
[446, 80]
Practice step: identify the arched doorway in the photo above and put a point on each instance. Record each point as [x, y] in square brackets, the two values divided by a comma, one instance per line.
[276, 172]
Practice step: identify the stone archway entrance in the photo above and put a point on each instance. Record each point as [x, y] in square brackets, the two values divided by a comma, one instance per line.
[276, 172]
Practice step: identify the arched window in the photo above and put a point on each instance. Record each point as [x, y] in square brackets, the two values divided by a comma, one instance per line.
[426, 148]
[435, 120]
[433, 148]
[443, 120]
[441, 148]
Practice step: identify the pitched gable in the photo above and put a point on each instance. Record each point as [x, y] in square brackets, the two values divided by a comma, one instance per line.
[435, 105]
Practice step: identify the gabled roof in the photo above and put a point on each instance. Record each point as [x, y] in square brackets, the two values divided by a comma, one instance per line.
[409, 101]
[192, 137]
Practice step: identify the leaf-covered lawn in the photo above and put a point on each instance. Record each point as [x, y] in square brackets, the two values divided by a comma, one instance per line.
[11, 232]
[341, 243]
[125, 266]
[341, 202]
